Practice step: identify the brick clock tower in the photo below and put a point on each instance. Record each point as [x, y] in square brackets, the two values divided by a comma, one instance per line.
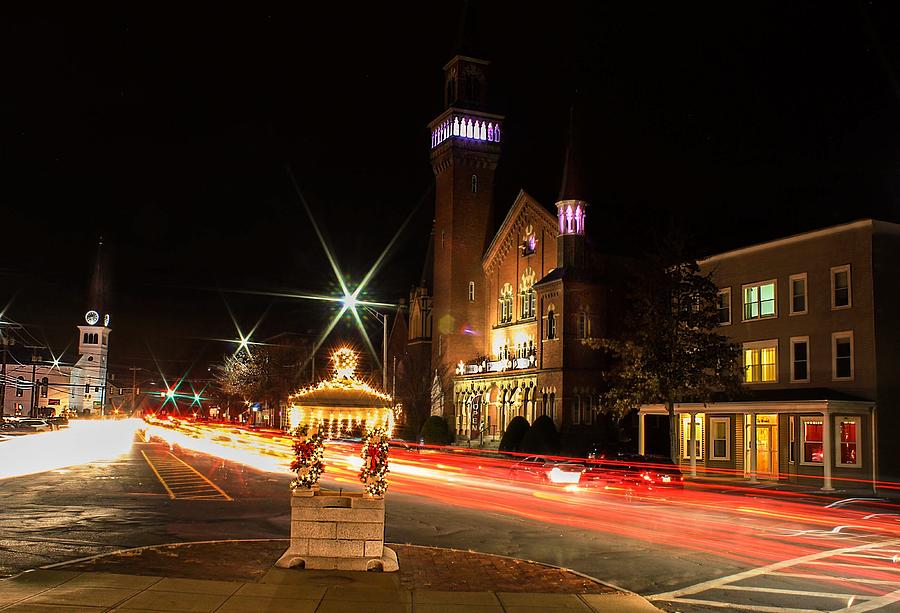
[465, 149]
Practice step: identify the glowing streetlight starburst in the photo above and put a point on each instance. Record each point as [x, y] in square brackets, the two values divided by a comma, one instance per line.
[350, 300]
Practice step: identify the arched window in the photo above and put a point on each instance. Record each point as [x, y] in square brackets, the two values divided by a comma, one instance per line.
[474, 184]
[506, 303]
[471, 291]
[85, 339]
[456, 126]
[20, 386]
[551, 411]
[87, 388]
[527, 296]
[45, 386]
[551, 323]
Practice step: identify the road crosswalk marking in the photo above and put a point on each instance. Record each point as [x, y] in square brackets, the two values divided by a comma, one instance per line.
[867, 601]
[181, 480]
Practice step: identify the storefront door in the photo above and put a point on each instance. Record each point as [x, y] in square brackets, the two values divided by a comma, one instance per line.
[766, 446]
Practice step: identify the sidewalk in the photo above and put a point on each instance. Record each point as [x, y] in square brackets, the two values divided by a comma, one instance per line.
[435, 581]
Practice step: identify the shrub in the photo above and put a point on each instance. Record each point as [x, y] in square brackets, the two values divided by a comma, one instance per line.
[435, 431]
[541, 437]
[514, 434]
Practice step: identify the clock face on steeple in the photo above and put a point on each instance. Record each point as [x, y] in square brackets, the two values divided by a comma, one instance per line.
[92, 317]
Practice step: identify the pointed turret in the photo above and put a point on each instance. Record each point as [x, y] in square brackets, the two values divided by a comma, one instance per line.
[571, 207]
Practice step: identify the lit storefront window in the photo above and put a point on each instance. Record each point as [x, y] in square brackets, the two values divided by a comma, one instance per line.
[812, 430]
[848, 440]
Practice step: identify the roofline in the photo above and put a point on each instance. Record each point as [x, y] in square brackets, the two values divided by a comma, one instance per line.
[883, 226]
[468, 58]
[494, 241]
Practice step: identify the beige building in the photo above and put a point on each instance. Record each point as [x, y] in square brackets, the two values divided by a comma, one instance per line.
[820, 342]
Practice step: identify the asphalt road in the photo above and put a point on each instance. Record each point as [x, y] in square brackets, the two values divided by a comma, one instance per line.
[99, 507]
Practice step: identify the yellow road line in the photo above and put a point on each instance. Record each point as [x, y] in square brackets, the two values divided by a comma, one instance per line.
[217, 488]
[155, 472]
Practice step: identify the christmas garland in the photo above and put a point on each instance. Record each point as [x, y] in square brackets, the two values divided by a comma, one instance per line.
[375, 461]
[309, 448]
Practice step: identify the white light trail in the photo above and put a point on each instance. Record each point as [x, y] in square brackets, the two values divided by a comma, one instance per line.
[82, 442]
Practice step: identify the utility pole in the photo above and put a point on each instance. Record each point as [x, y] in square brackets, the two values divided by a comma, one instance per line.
[5, 341]
[134, 370]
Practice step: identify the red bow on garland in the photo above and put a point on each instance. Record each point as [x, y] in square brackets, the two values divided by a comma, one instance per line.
[373, 457]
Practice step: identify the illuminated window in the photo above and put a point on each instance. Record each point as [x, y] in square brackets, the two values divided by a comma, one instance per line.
[506, 304]
[798, 294]
[20, 386]
[848, 441]
[840, 287]
[761, 362]
[720, 438]
[759, 301]
[811, 429]
[686, 436]
[527, 295]
[723, 306]
[471, 291]
[842, 356]
[800, 359]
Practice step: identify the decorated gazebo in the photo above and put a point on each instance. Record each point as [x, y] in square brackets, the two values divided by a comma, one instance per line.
[339, 530]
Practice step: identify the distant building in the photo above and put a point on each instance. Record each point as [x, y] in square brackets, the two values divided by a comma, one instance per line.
[815, 317]
[35, 385]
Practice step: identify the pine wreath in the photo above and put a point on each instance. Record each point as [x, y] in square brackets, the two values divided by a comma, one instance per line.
[374, 469]
[309, 449]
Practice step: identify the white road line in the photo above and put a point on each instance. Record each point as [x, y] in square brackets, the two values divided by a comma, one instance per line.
[742, 607]
[827, 578]
[762, 570]
[840, 503]
[772, 590]
[892, 569]
[875, 603]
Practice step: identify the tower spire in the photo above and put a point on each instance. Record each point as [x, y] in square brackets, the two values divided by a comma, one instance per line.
[97, 292]
[571, 186]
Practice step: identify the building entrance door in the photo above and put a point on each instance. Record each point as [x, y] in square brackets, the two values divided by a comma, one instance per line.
[766, 446]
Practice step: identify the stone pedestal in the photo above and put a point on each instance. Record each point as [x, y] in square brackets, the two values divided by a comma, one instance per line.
[332, 531]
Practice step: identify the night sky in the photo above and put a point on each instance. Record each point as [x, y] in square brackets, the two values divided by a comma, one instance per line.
[170, 133]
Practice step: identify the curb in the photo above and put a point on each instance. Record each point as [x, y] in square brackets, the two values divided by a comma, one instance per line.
[272, 540]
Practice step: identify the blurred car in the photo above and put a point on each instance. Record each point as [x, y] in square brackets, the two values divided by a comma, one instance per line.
[631, 470]
[537, 469]
[35, 425]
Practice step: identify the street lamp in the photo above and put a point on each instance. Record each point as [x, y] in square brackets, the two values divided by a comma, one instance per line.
[383, 318]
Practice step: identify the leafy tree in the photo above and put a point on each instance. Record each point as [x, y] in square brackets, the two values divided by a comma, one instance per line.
[414, 387]
[671, 351]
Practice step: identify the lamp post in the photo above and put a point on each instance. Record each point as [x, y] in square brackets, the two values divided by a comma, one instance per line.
[383, 318]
